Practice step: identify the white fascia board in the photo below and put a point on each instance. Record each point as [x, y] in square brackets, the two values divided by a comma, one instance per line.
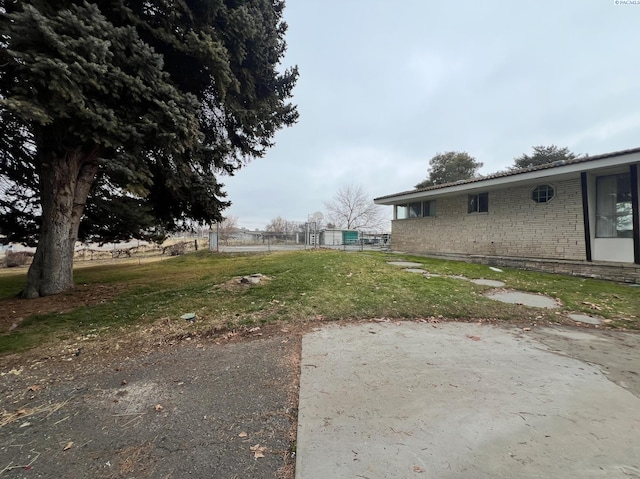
[549, 174]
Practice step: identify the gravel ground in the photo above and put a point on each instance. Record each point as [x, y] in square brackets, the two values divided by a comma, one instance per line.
[198, 408]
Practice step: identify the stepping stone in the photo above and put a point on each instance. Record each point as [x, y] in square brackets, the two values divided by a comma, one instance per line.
[527, 299]
[488, 282]
[583, 318]
[405, 264]
[416, 270]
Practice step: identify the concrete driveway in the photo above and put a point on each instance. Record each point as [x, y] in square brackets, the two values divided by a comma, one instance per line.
[464, 400]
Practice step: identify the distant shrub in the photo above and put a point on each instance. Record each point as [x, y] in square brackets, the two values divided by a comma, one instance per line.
[176, 249]
[13, 259]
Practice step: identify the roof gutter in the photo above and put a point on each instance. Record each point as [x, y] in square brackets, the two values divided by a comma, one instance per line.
[557, 172]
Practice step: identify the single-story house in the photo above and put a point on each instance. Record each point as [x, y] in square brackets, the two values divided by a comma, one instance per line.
[578, 216]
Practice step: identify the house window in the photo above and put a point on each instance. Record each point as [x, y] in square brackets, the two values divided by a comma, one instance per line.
[418, 209]
[401, 212]
[613, 206]
[478, 203]
[415, 210]
[429, 208]
[543, 193]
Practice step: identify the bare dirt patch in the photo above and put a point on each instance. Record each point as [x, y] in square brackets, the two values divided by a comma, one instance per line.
[240, 283]
[14, 310]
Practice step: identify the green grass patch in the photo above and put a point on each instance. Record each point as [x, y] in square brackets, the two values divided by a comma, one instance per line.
[301, 286]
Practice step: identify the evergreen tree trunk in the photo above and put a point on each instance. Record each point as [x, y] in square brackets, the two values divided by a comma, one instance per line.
[65, 182]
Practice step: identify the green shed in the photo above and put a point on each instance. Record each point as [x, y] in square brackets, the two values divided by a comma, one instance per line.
[349, 237]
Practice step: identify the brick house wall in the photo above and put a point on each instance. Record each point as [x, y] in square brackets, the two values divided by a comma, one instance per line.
[514, 226]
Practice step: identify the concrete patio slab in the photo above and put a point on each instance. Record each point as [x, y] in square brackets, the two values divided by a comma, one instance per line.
[460, 400]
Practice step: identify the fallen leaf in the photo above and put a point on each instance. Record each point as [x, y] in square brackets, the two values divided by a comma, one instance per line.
[258, 451]
[592, 305]
[253, 330]
[418, 469]
[68, 446]
[475, 338]
[242, 434]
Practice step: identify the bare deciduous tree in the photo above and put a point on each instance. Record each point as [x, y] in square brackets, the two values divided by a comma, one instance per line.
[279, 227]
[352, 209]
[227, 228]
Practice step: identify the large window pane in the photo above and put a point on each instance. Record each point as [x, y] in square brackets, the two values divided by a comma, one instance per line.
[415, 210]
[483, 202]
[429, 208]
[613, 206]
[478, 203]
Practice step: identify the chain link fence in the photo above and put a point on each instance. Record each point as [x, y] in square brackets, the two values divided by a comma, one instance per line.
[16, 256]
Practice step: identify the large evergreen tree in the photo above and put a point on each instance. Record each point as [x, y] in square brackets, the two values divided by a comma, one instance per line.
[118, 117]
[543, 155]
[449, 167]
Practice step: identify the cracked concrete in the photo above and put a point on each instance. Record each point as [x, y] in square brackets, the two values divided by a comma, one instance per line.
[460, 400]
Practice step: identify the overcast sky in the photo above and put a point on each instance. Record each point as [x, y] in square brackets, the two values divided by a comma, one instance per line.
[386, 85]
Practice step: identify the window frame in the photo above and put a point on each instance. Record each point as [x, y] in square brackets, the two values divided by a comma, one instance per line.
[415, 209]
[430, 209]
[542, 199]
[608, 222]
[399, 209]
[478, 203]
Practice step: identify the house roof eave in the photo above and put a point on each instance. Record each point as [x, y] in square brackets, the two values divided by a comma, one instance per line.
[492, 182]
